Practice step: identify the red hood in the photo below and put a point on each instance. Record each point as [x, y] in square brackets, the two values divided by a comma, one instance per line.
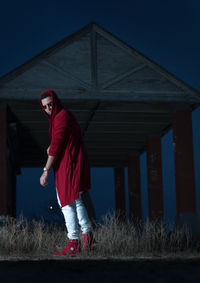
[56, 105]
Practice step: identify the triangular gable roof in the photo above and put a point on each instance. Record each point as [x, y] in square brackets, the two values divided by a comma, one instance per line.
[94, 62]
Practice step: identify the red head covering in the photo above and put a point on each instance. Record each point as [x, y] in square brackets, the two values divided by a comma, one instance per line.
[56, 106]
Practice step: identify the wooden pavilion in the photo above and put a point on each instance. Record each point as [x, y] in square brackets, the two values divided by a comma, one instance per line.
[124, 103]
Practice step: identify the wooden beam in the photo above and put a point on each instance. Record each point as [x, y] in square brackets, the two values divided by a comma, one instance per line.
[126, 129]
[113, 143]
[131, 123]
[65, 74]
[114, 137]
[121, 77]
[88, 122]
[84, 105]
[93, 163]
[100, 154]
[149, 93]
[130, 116]
[111, 95]
[93, 48]
[142, 107]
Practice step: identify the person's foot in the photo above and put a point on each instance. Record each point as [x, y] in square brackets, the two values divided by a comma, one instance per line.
[89, 241]
[73, 247]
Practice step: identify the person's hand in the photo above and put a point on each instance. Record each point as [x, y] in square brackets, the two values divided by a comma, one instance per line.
[43, 178]
[48, 150]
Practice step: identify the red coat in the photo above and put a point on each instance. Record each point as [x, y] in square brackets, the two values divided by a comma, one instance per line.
[71, 167]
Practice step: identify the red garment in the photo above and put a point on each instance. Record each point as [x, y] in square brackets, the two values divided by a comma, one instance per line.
[71, 167]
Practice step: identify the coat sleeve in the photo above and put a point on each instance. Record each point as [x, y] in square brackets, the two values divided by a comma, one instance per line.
[59, 135]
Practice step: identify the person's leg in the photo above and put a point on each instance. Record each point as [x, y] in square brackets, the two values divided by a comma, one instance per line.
[71, 222]
[82, 216]
[85, 223]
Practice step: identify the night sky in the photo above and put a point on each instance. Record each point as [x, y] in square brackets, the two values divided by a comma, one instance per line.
[165, 31]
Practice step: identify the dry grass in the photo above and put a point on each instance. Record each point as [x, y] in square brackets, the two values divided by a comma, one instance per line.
[115, 239]
[149, 238]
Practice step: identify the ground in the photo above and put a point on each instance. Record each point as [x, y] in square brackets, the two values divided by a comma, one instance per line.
[144, 270]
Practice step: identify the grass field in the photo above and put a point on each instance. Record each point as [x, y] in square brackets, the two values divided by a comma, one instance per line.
[115, 239]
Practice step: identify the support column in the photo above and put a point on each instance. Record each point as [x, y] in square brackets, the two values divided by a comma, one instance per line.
[120, 205]
[184, 170]
[134, 192]
[7, 168]
[3, 159]
[154, 167]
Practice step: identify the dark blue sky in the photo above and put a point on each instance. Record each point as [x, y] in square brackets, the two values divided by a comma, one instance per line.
[165, 31]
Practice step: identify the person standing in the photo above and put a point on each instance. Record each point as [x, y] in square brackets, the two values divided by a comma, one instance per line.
[68, 158]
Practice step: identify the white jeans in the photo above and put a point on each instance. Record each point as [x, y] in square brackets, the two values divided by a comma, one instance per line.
[75, 213]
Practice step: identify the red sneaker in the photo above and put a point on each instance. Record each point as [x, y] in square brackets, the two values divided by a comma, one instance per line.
[73, 247]
[88, 241]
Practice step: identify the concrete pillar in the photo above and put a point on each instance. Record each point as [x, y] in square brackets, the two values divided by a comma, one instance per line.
[154, 167]
[184, 170]
[7, 168]
[3, 159]
[120, 205]
[134, 192]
